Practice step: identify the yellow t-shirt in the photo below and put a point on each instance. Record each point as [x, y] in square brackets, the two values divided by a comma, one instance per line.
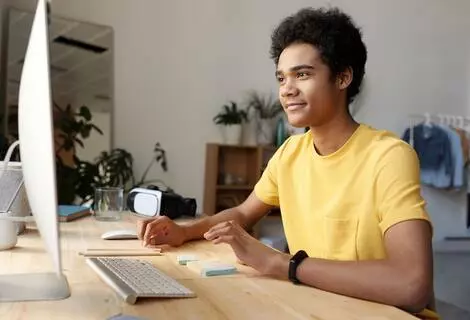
[339, 206]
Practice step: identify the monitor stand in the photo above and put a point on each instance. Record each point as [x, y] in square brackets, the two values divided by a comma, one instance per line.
[18, 287]
[33, 287]
[30, 286]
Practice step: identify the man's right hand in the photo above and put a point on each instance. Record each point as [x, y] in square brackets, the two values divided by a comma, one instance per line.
[164, 231]
[160, 231]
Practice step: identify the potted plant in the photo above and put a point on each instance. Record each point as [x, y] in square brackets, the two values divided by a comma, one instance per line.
[115, 168]
[266, 109]
[76, 178]
[159, 157]
[70, 129]
[231, 119]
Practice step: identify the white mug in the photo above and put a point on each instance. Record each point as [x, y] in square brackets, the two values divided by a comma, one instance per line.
[8, 233]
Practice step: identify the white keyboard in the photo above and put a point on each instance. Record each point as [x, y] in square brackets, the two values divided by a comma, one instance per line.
[133, 279]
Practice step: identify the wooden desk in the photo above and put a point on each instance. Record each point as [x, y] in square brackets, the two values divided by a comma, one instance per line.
[243, 296]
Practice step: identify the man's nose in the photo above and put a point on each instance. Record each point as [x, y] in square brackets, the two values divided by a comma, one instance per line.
[289, 88]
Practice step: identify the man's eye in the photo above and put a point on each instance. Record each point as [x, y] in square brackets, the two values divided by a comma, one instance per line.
[302, 74]
[280, 79]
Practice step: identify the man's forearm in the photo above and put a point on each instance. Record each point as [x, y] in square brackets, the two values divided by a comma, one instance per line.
[195, 230]
[378, 281]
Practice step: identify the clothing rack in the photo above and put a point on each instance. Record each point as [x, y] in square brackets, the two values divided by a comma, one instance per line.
[460, 122]
[441, 118]
[444, 119]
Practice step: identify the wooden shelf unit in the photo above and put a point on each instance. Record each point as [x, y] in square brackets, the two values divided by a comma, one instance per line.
[231, 172]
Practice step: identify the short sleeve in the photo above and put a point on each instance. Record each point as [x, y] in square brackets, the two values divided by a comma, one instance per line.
[398, 190]
[266, 189]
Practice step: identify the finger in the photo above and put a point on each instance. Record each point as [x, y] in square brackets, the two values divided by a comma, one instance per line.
[161, 247]
[154, 245]
[152, 229]
[229, 239]
[211, 235]
[158, 238]
[220, 226]
[141, 226]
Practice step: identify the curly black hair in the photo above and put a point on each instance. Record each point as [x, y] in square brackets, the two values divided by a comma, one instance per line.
[333, 34]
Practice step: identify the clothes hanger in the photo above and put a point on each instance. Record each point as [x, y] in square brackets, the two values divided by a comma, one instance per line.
[441, 119]
[427, 119]
[460, 122]
[466, 125]
[447, 117]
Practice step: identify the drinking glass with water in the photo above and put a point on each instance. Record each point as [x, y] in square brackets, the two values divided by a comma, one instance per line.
[109, 203]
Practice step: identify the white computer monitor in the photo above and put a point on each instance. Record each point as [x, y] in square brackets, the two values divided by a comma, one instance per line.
[35, 127]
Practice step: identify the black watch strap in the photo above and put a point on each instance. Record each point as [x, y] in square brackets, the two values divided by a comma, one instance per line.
[294, 264]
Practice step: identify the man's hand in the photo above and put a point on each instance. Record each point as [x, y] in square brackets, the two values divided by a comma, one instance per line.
[247, 249]
[160, 231]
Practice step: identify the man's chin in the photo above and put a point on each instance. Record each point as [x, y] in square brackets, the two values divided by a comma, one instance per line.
[298, 122]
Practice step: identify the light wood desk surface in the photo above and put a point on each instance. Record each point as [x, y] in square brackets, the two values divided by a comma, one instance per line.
[245, 295]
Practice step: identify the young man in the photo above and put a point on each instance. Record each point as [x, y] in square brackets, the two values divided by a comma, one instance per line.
[350, 198]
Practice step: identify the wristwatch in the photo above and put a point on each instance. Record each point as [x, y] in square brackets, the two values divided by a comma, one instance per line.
[294, 263]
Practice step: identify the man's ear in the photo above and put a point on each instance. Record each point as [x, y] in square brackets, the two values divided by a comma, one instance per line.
[344, 78]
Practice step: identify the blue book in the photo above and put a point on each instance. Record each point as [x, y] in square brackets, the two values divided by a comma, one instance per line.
[72, 212]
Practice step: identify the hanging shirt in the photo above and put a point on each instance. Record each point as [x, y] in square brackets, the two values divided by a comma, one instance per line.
[437, 178]
[465, 144]
[457, 157]
[432, 146]
[440, 177]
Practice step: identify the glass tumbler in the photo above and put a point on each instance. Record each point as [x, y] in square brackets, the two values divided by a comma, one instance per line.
[109, 203]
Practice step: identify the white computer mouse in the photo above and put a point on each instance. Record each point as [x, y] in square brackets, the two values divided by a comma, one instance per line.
[122, 234]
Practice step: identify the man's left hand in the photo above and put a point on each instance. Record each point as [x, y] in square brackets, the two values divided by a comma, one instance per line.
[247, 249]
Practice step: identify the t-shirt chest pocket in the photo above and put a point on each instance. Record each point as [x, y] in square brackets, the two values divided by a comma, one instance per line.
[340, 238]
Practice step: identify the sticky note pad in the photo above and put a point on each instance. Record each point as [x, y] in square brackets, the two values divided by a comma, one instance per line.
[184, 259]
[212, 268]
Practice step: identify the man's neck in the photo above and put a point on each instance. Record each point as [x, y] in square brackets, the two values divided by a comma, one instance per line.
[330, 137]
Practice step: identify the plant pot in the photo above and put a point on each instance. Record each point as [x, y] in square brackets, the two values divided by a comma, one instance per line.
[249, 133]
[232, 134]
[265, 131]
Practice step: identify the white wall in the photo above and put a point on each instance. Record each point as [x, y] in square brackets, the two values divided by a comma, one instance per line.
[178, 61]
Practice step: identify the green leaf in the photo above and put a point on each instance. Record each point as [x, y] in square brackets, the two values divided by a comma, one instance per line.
[97, 129]
[85, 113]
[266, 107]
[85, 131]
[80, 142]
[164, 165]
[230, 114]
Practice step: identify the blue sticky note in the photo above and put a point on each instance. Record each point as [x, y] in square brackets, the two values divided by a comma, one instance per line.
[212, 268]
